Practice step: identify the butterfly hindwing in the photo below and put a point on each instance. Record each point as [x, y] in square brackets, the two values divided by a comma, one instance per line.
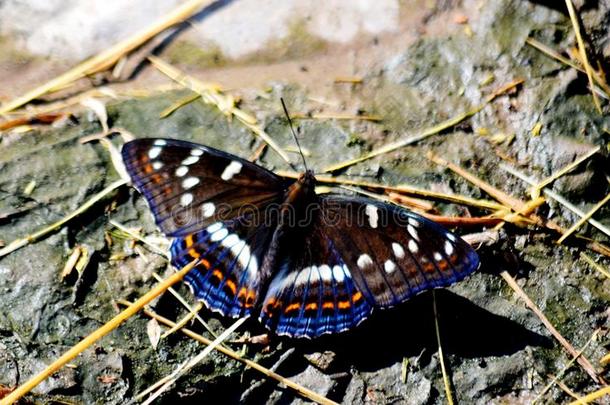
[394, 253]
[313, 292]
[190, 186]
[228, 276]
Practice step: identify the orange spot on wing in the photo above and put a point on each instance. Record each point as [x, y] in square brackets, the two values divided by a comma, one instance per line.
[312, 306]
[357, 296]
[218, 274]
[205, 263]
[155, 178]
[148, 169]
[231, 286]
[344, 304]
[429, 267]
[328, 305]
[292, 307]
[443, 265]
[250, 298]
[453, 258]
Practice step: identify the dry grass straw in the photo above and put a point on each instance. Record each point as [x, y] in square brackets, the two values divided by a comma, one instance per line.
[587, 399]
[537, 188]
[404, 189]
[426, 132]
[211, 94]
[165, 383]
[560, 375]
[583, 52]
[441, 358]
[599, 80]
[557, 197]
[306, 392]
[584, 219]
[520, 206]
[87, 342]
[21, 242]
[596, 266]
[108, 57]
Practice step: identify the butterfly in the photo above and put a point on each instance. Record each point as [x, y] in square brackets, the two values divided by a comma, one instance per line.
[307, 264]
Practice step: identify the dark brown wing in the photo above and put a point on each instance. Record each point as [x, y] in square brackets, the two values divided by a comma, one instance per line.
[190, 186]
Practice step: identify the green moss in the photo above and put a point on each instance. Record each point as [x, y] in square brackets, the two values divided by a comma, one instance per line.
[297, 44]
[188, 53]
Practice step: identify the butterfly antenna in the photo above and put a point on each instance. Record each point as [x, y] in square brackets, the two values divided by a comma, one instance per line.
[296, 139]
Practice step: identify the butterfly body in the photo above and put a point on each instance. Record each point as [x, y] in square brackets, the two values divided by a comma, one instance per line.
[307, 264]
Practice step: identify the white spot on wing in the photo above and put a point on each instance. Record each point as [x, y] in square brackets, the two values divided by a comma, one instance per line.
[196, 152]
[252, 264]
[338, 274]
[208, 209]
[154, 152]
[157, 165]
[186, 199]
[389, 266]
[214, 227]
[190, 182]
[413, 232]
[412, 245]
[303, 277]
[414, 222]
[448, 248]
[181, 171]
[231, 170]
[364, 260]
[325, 272]
[160, 142]
[230, 240]
[219, 234]
[399, 252]
[190, 160]
[451, 237]
[437, 256]
[372, 213]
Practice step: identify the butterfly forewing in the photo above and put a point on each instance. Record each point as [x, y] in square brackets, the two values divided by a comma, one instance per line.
[393, 253]
[190, 186]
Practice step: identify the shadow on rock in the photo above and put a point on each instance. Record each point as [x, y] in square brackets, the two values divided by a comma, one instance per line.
[408, 330]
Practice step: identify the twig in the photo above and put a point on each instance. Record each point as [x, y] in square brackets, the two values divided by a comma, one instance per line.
[96, 335]
[110, 56]
[19, 243]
